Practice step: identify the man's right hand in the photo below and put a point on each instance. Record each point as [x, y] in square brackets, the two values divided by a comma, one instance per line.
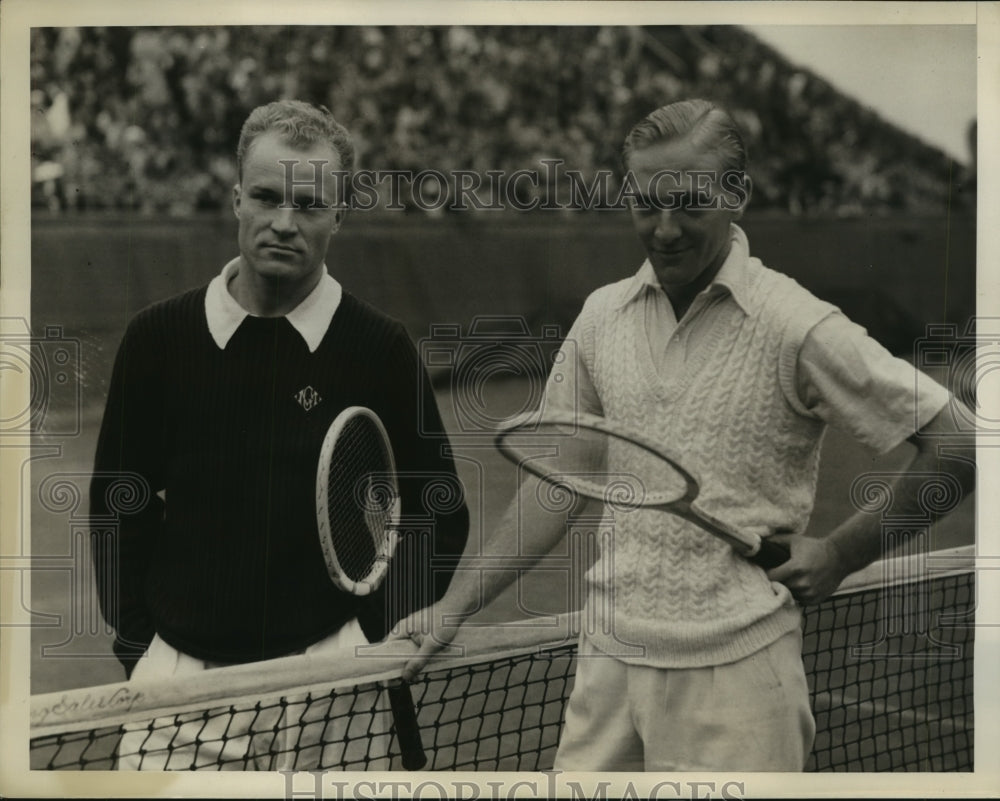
[477, 584]
[429, 644]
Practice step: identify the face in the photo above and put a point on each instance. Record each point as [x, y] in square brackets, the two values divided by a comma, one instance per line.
[281, 238]
[683, 214]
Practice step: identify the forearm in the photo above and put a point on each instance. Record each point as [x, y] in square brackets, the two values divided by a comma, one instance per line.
[435, 515]
[530, 528]
[858, 541]
[934, 482]
[525, 533]
[423, 564]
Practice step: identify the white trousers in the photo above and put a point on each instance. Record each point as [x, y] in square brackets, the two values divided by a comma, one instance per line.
[750, 715]
[301, 734]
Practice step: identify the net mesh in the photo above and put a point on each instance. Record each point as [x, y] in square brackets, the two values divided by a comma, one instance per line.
[890, 671]
[891, 675]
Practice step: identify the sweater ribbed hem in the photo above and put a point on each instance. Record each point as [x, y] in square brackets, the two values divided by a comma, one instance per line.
[665, 644]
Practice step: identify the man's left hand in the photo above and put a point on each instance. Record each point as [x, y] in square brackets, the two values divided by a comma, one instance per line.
[813, 571]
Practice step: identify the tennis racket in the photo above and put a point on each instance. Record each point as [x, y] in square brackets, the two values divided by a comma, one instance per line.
[581, 454]
[358, 512]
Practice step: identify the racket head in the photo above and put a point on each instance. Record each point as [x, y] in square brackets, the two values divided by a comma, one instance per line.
[357, 501]
[589, 456]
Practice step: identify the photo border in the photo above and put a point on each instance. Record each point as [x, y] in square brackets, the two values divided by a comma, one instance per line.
[18, 16]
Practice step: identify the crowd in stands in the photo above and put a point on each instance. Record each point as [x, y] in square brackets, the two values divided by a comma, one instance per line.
[145, 119]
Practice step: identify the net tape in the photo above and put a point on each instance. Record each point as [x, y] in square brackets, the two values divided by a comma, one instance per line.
[890, 671]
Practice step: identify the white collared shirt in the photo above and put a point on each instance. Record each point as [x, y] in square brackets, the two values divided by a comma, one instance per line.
[670, 341]
[311, 318]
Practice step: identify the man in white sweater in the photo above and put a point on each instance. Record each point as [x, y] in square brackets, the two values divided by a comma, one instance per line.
[740, 370]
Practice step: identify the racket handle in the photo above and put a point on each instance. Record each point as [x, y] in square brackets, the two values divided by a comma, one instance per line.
[771, 554]
[404, 717]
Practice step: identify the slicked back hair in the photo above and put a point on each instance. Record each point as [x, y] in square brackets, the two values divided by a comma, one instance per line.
[706, 125]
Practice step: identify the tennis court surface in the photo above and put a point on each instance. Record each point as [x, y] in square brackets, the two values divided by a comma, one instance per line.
[889, 659]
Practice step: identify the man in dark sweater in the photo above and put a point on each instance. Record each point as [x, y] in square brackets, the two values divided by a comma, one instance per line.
[218, 405]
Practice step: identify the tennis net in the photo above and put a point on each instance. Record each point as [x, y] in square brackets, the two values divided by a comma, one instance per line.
[889, 660]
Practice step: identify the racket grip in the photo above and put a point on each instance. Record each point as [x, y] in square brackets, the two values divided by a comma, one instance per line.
[771, 554]
[404, 717]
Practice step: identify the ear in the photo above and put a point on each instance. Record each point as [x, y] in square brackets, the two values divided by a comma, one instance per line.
[237, 196]
[338, 217]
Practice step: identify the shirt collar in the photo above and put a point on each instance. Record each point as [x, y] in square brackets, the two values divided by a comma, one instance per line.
[311, 318]
[732, 276]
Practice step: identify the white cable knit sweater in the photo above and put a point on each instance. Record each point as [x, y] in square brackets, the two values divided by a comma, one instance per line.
[732, 413]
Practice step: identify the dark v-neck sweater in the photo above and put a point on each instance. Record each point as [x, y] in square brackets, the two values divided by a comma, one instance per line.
[217, 551]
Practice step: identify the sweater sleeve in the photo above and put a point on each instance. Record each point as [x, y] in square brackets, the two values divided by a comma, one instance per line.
[435, 518]
[125, 510]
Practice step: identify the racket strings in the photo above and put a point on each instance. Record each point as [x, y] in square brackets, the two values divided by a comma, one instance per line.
[361, 499]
